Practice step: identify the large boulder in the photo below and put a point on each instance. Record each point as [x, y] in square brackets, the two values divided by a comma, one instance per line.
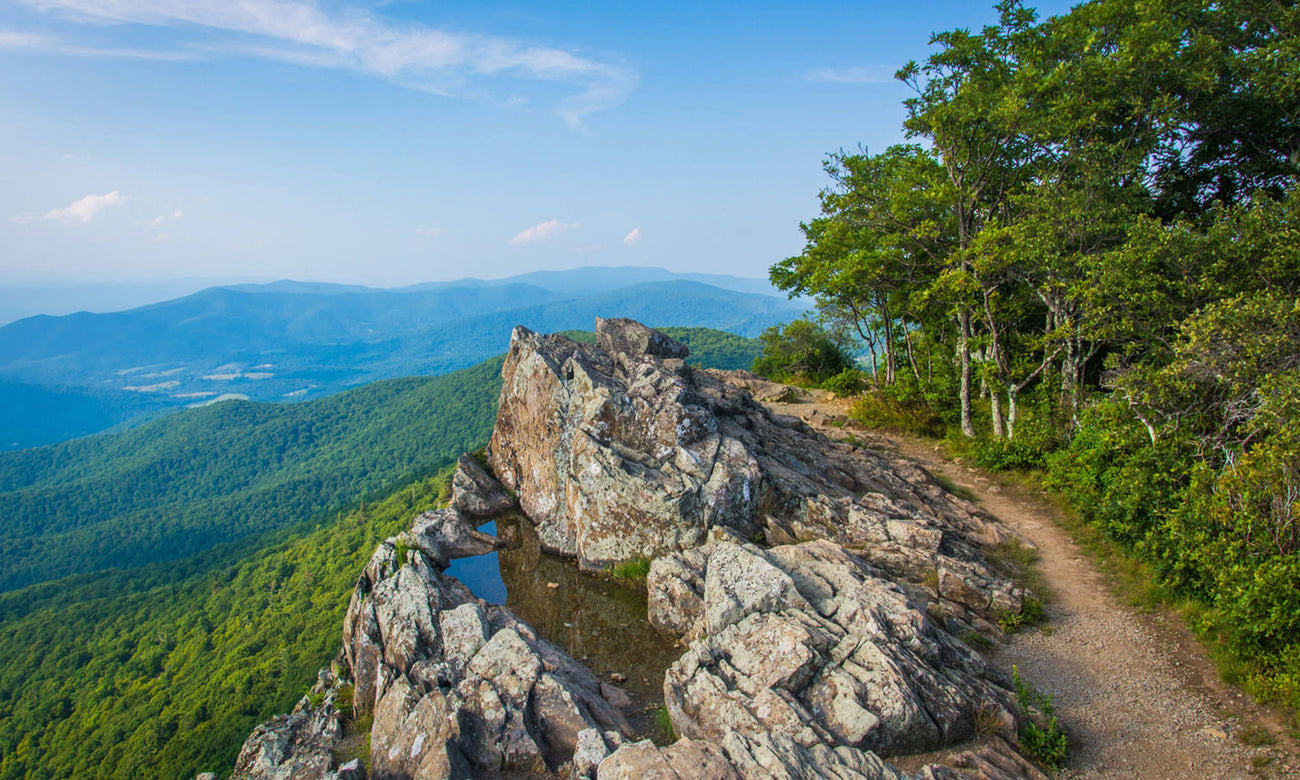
[810, 642]
[615, 457]
[475, 492]
[620, 450]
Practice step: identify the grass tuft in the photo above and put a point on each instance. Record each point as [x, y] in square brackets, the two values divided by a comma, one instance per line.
[635, 570]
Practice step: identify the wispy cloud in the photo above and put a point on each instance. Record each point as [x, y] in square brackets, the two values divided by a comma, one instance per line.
[308, 33]
[633, 237]
[861, 74]
[541, 232]
[429, 231]
[172, 217]
[11, 39]
[81, 210]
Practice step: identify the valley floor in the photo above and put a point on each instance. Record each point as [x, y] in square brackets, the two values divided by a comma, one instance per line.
[1134, 690]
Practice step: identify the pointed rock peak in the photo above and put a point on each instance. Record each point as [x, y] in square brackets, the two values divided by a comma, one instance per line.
[621, 336]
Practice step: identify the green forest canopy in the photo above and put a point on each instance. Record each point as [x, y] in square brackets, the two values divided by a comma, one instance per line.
[183, 483]
[1088, 259]
[162, 670]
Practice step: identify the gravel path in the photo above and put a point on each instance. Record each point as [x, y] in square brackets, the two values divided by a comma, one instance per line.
[1134, 690]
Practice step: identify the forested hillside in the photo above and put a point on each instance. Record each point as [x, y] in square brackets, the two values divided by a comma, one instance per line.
[180, 485]
[162, 672]
[34, 415]
[1088, 262]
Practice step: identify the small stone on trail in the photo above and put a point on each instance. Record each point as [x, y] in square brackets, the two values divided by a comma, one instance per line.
[553, 585]
[618, 678]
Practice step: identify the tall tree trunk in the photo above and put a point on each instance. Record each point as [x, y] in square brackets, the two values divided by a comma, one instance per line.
[963, 351]
[995, 413]
[889, 345]
[1013, 410]
[911, 354]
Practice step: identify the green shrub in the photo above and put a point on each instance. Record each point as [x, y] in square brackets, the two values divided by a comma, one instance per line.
[848, 382]
[800, 349]
[881, 409]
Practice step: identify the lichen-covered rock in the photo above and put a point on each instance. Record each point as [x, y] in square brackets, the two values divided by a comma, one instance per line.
[458, 687]
[810, 642]
[475, 492]
[587, 756]
[621, 336]
[445, 534]
[297, 746]
[760, 757]
[778, 757]
[620, 450]
[614, 457]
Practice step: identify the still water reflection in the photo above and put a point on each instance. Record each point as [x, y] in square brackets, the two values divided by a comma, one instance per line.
[595, 619]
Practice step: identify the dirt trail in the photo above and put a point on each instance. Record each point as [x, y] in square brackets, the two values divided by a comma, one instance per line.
[1135, 691]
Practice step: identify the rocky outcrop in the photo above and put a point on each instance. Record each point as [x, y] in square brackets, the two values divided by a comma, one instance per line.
[777, 757]
[740, 757]
[818, 588]
[456, 687]
[299, 744]
[809, 641]
[616, 455]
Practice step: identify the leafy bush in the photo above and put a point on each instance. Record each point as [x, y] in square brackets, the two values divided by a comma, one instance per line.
[881, 409]
[848, 382]
[800, 350]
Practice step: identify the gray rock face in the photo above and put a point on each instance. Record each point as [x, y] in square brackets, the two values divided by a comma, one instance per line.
[614, 458]
[475, 492]
[621, 451]
[810, 642]
[741, 757]
[621, 336]
[297, 745]
[777, 757]
[456, 687]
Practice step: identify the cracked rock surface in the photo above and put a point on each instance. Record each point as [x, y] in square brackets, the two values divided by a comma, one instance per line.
[811, 642]
[621, 450]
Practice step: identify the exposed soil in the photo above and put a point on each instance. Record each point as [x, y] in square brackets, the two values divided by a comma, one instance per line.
[1134, 690]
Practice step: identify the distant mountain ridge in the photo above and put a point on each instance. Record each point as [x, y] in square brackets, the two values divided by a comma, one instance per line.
[292, 340]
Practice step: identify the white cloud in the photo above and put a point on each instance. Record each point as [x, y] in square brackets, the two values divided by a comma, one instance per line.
[308, 33]
[161, 218]
[161, 237]
[85, 209]
[541, 232]
[862, 74]
[633, 237]
[12, 39]
[429, 231]
[20, 220]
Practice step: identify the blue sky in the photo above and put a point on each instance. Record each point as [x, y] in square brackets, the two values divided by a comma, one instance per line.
[389, 143]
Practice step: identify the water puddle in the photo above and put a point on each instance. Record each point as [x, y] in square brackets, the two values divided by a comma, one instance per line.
[599, 621]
